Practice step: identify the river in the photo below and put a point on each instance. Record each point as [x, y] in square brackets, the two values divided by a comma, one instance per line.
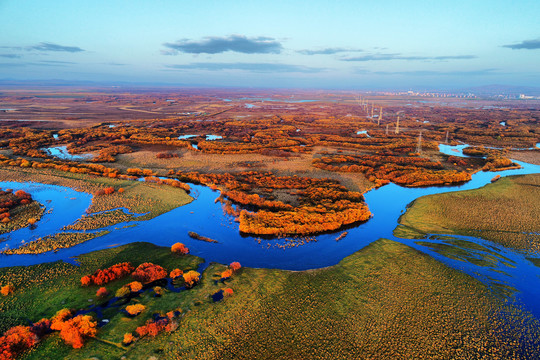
[505, 267]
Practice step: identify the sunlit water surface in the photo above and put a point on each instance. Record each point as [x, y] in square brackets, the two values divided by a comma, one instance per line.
[506, 272]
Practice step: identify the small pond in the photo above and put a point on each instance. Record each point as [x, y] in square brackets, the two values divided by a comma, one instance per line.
[62, 152]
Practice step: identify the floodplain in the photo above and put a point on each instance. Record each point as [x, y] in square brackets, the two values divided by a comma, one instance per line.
[131, 238]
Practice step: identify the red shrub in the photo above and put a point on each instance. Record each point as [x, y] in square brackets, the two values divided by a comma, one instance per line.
[15, 341]
[147, 272]
[235, 266]
[152, 328]
[179, 249]
[101, 277]
[102, 292]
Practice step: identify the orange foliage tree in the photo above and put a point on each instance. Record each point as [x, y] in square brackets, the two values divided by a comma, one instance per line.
[176, 273]
[147, 272]
[15, 341]
[128, 339]
[134, 286]
[75, 330]
[235, 266]
[60, 317]
[135, 309]
[101, 277]
[179, 249]
[152, 328]
[226, 274]
[7, 289]
[86, 280]
[102, 292]
[191, 277]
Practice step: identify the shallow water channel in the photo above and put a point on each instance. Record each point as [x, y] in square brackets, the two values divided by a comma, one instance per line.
[505, 271]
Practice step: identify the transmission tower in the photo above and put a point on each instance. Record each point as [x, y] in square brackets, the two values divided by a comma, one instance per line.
[419, 145]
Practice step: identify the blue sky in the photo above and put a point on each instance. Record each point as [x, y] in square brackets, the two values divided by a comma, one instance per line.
[318, 44]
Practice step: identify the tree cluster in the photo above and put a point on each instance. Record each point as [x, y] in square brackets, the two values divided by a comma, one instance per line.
[101, 277]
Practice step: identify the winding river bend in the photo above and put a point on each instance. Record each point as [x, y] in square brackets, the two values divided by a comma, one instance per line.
[506, 269]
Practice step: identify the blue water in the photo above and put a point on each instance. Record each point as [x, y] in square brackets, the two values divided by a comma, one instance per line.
[208, 137]
[359, 132]
[206, 218]
[458, 149]
[63, 206]
[450, 150]
[213, 137]
[61, 152]
[189, 136]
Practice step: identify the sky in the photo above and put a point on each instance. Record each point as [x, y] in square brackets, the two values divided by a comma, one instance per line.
[385, 44]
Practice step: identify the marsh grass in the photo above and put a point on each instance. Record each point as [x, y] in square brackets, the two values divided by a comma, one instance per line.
[138, 197]
[42, 290]
[505, 212]
[385, 301]
[20, 216]
[54, 242]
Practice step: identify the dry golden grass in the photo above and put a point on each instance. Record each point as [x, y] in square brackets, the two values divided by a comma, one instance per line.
[506, 212]
[20, 216]
[100, 220]
[189, 160]
[53, 243]
[531, 157]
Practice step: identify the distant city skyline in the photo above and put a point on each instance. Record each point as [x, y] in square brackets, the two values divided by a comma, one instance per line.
[279, 44]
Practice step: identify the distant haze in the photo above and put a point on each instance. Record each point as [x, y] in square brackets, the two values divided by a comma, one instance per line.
[348, 44]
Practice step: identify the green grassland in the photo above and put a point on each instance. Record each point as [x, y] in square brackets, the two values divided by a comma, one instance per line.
[385, 301]
[505, 212]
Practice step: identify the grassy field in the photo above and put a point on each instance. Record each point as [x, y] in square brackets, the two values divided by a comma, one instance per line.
[505, 212]
[385, 301]
[42, 290]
